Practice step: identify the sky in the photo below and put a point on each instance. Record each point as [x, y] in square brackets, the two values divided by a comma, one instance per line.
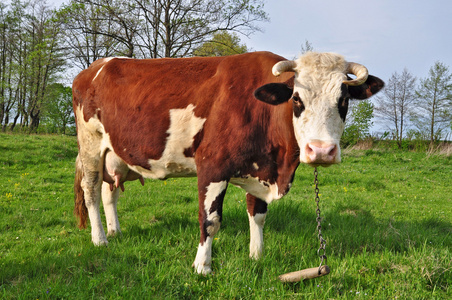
[386, 35]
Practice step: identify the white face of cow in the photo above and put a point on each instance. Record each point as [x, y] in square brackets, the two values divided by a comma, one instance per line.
[317, 121]
[319, 97]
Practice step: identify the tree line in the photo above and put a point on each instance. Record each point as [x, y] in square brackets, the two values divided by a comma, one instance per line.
[411, 108]
[39, 44]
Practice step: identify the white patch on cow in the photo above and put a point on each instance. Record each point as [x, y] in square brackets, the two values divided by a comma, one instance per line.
[258, 188]
[92, 126]
[256, 235]
[98, 72]
[255, 166]
[106, 60]
[203, 260]
[184, 126]
[213, 190]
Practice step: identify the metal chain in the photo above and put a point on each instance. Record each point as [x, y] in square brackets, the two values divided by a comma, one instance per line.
[321, 252]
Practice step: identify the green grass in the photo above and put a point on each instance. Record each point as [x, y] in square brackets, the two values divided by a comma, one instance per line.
[387, 222]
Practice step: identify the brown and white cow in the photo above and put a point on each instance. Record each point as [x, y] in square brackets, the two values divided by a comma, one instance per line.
[160, 118]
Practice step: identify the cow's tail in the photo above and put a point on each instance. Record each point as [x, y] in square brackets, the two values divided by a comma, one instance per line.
[80, 209]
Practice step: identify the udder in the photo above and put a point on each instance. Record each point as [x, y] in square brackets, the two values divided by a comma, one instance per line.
[116, 171]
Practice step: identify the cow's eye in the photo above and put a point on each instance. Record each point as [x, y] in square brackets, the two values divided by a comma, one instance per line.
[297, 101]
[343, 107]
[343, 102]
[298, 105]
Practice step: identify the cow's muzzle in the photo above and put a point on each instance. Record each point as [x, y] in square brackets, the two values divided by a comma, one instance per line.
[321, 153]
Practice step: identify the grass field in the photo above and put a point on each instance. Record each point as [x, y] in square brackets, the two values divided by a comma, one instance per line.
[387, 222]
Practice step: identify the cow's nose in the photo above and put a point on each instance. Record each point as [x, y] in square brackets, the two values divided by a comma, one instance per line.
[321, 153]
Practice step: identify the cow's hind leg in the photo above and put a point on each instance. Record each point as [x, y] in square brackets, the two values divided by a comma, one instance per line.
[257, 210]
[110, 201]
[91, 184]
[89, 137]
[210, 214]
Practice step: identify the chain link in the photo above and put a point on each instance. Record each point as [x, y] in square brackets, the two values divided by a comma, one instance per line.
[321, 252]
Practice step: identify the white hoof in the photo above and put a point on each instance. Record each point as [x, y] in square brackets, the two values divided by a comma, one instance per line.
[204, 257]
[256, 254]
[202, 269]
[100, 243]
[114, 233]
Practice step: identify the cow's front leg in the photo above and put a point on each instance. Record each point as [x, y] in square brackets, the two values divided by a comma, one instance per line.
[110, 195]
[257, 210]
[210, 213]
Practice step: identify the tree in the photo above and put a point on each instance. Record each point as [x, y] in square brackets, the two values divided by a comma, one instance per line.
[180, 26]
[434, 102]
[358, 123]
[44, 58]
[12, 55]
[222, 44]
[307, 47]
[153, 28]
[96, 29]
[30, 60]
[58, 109]
[395, 104]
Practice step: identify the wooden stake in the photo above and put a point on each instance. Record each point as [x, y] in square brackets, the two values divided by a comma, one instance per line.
[304, 274]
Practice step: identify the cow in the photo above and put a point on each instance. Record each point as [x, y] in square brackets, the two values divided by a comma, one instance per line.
[247, 120]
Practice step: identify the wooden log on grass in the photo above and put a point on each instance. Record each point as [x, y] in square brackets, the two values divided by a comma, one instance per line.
[304, 274]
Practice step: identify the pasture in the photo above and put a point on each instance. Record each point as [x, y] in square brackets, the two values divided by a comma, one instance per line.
[387, 221]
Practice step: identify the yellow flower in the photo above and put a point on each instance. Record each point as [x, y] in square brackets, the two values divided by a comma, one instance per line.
[345, 189]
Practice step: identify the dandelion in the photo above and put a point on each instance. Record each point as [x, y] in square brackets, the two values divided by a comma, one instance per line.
[8, 195]
[345, 189]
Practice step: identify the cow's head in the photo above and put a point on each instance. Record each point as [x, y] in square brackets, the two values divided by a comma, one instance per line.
[319, 97]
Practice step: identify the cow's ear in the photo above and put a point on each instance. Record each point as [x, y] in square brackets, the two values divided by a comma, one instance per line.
[369, 88]
[274, 93]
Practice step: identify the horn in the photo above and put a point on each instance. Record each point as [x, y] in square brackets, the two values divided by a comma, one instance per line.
[283, 66]
[359, 70]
